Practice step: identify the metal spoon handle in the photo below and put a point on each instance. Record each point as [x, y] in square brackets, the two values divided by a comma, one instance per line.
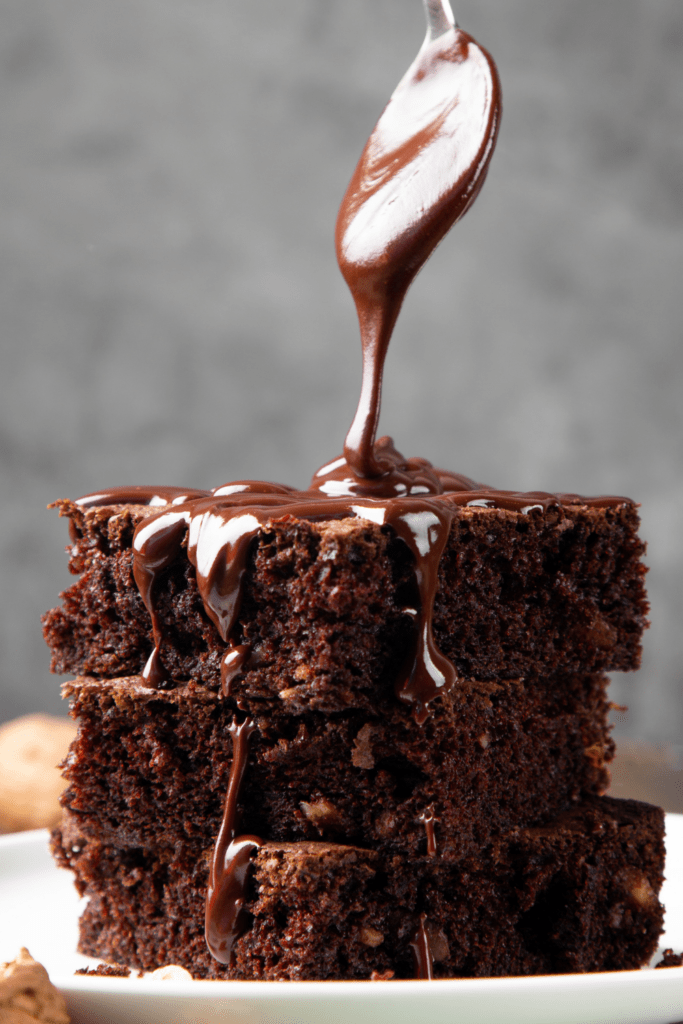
[439, 18]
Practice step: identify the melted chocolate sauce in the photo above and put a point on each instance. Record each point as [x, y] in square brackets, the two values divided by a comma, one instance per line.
[155, 674]
[226, 918]
[232, 665]
[420, 171]
[428, 820]
[422, 952]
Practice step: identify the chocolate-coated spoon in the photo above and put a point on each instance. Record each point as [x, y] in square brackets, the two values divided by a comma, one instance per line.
[421, 169]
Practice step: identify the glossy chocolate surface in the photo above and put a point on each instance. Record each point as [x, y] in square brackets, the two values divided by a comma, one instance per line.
[422, 951]
[420, 171]
[225, 916]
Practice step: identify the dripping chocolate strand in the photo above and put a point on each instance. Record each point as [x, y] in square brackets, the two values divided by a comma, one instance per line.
[401, 200]
[425, 530]
[422, 952]
[232, 664]
[230, 864]
[155, 673]
[240, 734]
[428, 820]
[156, 546]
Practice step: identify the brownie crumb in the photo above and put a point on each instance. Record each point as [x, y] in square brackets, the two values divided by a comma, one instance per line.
[670, 959]
[105, 971]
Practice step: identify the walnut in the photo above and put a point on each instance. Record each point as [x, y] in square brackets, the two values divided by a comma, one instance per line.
[371, 937]
[27, 994]
[386, 824]
[296, 696]
[322, 813]
[642, 892]
[30, 786]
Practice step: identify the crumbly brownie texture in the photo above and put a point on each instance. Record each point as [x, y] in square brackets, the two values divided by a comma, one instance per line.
[576, 895]
[555, 590]
[141, 754]
[670, 959]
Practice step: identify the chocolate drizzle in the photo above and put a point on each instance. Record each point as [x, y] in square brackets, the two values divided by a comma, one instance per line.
[422, 952]
[428, 820]
[420, 171]
[233, 663]
[226, 918]
[154, 672]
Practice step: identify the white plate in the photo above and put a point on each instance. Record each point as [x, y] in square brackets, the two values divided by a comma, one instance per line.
[39, 909]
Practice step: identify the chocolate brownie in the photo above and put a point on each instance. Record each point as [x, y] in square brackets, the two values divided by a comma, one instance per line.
[560, 589]
[576, 895]
[151, 766]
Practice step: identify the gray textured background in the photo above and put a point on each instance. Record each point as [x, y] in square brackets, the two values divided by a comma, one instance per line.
[170, 172]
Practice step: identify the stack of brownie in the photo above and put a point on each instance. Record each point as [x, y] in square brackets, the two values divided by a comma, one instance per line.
[475, 843]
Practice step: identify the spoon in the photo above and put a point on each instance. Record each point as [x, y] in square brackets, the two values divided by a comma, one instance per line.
[420, 171]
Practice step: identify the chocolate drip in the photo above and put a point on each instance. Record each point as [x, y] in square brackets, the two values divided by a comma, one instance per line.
[161, 545]
[423, 525]
[428, 820]
[154, 673]
[422, 952]
[226, 918]
[233, 663]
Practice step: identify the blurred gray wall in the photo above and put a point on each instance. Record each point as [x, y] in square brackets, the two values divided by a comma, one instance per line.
[170, 172]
